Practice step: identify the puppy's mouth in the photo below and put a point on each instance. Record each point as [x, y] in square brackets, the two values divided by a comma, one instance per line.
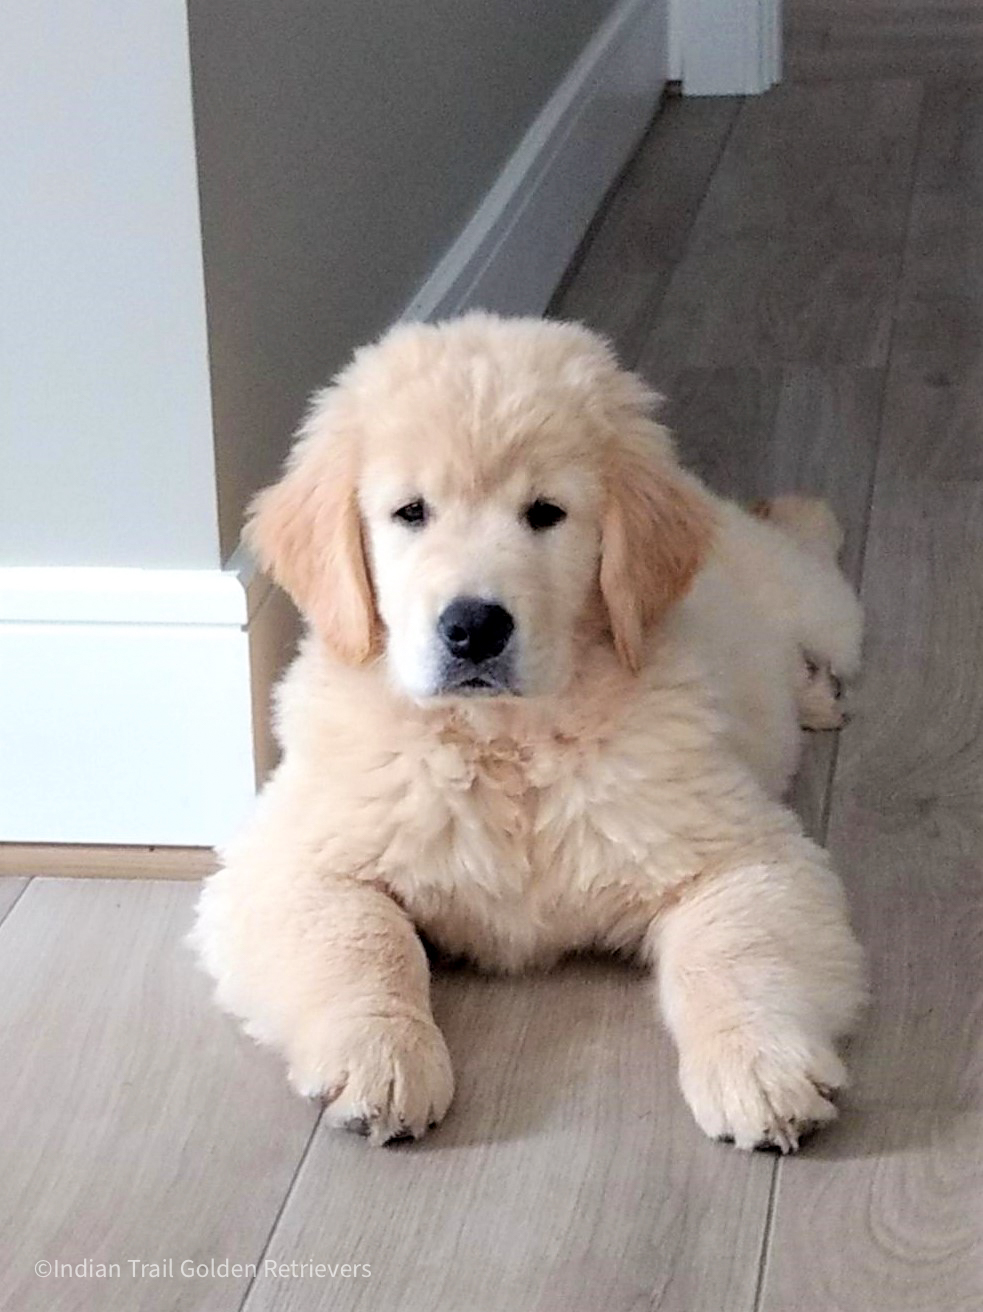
[492, 679]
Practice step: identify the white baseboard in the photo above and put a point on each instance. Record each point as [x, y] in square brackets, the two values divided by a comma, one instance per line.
[512, 253]
[125, 706]
[727, 47]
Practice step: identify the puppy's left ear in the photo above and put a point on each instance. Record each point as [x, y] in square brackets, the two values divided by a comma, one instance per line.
[657, 528]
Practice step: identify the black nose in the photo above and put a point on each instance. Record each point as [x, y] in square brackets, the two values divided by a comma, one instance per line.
[475, 630]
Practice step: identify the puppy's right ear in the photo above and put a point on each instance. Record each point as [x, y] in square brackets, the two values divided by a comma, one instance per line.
[306, 531]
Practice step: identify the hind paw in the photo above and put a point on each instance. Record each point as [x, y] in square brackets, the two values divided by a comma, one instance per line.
[820, 696]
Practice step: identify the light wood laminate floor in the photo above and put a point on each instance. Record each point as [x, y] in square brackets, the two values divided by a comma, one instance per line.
[883, 38]
[801, 274]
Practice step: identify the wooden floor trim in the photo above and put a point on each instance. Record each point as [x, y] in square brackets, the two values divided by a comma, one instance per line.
[73, 861]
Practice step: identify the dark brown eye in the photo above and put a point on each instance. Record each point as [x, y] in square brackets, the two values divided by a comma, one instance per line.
[414, 513]
[544, 514]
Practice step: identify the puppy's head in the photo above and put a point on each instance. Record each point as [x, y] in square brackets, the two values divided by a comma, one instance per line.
[469, 499]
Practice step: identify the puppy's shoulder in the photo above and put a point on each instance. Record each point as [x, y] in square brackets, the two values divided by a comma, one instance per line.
[322, 702]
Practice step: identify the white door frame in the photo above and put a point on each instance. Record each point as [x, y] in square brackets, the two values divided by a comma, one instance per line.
[725, 47]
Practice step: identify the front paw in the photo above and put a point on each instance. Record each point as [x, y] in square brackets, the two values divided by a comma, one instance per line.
[384, 1077]
[760, 1094]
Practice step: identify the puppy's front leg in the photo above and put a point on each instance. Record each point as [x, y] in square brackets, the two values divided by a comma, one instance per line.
[330, 971]
[759, 974]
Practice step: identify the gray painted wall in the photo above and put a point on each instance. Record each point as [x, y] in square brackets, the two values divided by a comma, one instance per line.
[106, 453]
[342, 146]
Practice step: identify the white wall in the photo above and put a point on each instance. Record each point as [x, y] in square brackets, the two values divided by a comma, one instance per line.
[106, 453]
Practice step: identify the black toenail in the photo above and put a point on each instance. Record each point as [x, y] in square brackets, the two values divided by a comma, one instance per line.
[401, 1136]
[837, 685]
[807, 1132]
[358, 1125]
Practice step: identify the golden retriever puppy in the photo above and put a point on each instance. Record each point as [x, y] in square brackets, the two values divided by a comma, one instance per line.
[547, 701]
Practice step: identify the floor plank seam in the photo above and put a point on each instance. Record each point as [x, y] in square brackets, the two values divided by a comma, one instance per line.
[281, 1209]
[759, 1284]
[829, 799]
[906, 238]
[916, 154]
[652, 310]
[834, 760]
[6, 914]
[829, 789]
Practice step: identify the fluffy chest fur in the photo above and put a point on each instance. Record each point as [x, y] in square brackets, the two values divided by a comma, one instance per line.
[507, 851]
[514, 832]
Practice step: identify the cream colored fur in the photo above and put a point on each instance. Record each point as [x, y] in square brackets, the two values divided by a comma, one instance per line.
[630, 799]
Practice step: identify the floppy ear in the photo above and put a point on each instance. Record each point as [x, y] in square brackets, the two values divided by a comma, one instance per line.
[655, 534]
[306, 531]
